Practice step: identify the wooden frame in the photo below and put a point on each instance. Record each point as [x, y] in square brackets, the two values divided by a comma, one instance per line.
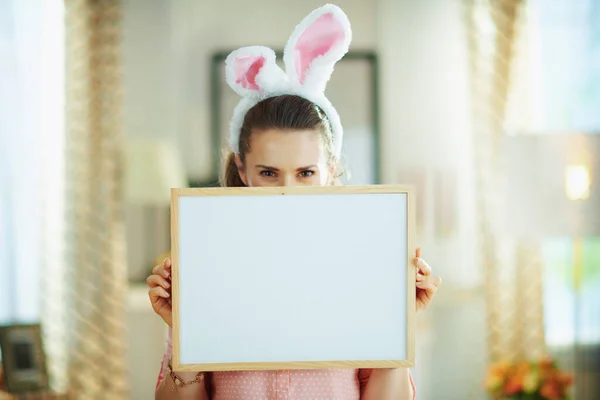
[31, 375]
[218, 129]
[408, 361]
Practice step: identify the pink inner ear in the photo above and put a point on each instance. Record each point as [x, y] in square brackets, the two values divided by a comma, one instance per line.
[315, 41]
[246, 68]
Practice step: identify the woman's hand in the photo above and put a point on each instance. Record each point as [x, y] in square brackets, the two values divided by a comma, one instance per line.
[160, 291]
[426, 284]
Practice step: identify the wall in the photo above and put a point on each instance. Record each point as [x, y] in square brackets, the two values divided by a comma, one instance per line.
[426, 127]
[146, 341]
[202, 28]
[148, 69]
[424, 120]
[425, 110]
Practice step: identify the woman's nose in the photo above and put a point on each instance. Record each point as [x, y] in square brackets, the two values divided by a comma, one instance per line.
[287, 180]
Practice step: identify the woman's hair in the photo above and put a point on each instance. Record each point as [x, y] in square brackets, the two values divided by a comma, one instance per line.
[286, 112]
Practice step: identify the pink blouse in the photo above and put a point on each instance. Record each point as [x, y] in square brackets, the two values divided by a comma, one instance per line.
[338, 384]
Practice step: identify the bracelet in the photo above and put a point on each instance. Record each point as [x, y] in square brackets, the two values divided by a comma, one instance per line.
[180, 383]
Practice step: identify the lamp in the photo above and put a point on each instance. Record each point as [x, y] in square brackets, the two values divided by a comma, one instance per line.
[152, 168]
[577, 182]
[549, 185]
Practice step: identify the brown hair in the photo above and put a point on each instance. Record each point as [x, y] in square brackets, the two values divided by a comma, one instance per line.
[286, 112]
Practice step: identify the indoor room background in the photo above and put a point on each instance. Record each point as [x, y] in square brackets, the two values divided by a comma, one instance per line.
[490, 108]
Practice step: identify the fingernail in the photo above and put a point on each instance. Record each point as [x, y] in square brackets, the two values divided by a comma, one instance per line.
[167, 285]
[165, 274]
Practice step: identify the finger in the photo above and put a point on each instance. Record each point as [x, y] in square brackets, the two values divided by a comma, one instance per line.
[427, 286]
[156, 280]
[161, 270]
[422, 266]
[167, 263]
[156, 293]
[418, 253]
[434, 280]
[431, 285]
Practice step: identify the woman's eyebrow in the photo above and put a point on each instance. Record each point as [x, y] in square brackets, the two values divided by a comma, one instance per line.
[307, 167]
[262, 166]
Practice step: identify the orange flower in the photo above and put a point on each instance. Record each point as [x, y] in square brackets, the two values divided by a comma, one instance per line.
[495, 376]
[565, 380]
[551, 390]
[523, 369]
[500, 368]
[514, 385]
[540, 377]
[546, 363]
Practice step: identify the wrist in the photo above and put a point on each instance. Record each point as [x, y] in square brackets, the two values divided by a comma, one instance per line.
[186, 376]
[180, 380]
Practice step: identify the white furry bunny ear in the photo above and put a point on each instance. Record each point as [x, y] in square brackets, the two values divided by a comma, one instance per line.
[317, 43]
[252, 71]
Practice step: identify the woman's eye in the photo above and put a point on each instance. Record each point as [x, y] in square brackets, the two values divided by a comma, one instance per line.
[268, 174]
[307, 173]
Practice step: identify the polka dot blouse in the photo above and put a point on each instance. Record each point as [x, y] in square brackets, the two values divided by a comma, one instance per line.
[322, 384]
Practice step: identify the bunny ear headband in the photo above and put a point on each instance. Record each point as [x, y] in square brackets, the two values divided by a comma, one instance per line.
[317, 43]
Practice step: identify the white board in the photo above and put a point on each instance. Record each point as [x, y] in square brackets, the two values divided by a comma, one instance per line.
[313, 278]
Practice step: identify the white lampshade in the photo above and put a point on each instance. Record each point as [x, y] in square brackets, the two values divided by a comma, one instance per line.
[153, 167]
[577, 182]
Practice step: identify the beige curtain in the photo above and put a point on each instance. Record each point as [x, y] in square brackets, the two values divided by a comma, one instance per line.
[512, 269]
[86, 324]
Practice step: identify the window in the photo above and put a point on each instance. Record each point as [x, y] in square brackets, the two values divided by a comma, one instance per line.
[557, 68]
[31, 151]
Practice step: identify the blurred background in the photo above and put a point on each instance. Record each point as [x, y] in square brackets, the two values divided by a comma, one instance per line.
[491, 108]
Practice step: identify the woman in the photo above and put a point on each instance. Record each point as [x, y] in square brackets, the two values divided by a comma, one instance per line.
[286, 133]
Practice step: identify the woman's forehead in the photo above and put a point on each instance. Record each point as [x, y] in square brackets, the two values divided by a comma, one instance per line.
[277, 147]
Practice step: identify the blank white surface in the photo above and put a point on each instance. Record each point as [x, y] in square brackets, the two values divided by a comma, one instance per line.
[292, 278]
